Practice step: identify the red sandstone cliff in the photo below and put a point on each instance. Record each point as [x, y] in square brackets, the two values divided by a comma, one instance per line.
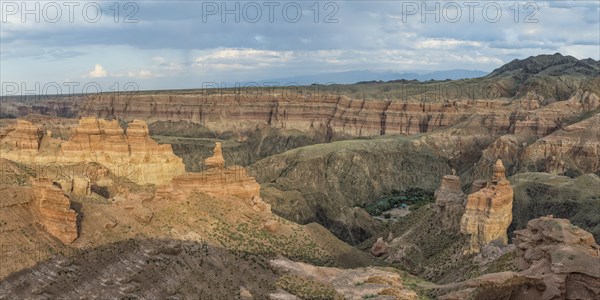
[53, 210]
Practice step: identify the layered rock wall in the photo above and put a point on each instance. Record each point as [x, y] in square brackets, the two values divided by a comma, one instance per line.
[53, 210]
[332, 113]
[131, 154]
[574, 147]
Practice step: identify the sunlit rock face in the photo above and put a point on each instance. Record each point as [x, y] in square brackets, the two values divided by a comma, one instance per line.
[24, 135]
[218, 181]
[131, 153]
[337, 114]
[53, 210]
[216, 161]
[488, 212]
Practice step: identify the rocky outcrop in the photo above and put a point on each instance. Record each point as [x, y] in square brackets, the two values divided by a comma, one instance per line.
[215, 161]
[53, 210]
[81, 186]
[564, 256]
[488, 212]
[556, 260]
[24, 135]
[379, 248]
[131, 154]
[450, 203]
[320, 111]
[218, 182]
[358, 283]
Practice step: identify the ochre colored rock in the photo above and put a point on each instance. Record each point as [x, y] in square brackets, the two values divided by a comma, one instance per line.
[450, 203]
[215, 161]
[355, 283]
[271, 226]
[53, 210]
[245, 293]
[24, 135]
[259, 205]
[81, 186]
[218, 182]
[131, 154]
[488, 212]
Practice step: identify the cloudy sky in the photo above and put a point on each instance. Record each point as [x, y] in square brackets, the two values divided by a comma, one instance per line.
[188, 44]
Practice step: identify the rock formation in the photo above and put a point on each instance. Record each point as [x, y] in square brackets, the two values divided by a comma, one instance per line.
[450, 203]
[215, 161]
[379, 248]
[133, 155]
[53, 210]
[575, 147]
[24, 135]
[563, 255]
[357, 283]
[81, 186]
[217, 181]
[556, 260]
[488, 212]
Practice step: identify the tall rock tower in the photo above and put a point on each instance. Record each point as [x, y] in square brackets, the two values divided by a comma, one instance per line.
[488, 211]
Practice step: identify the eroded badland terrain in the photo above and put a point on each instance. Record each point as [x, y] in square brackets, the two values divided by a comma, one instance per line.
[484, 188]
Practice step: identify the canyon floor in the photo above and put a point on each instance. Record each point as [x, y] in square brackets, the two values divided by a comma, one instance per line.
[484, 188]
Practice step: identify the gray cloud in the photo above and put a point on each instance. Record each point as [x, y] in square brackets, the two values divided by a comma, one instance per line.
[374, 35]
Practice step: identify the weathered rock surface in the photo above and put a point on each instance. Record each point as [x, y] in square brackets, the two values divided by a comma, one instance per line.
[215, 161]
[556, 260]
[359, 283]
[218, 182]
[564, 256]
[24, 135]
[488, 212]
[326, 182]
[450, 203]
[573, 148]
[53, 210]
[81, 186]
[131, 154]
[379, 247]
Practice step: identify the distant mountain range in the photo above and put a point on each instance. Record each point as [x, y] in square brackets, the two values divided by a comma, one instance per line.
[364, 75]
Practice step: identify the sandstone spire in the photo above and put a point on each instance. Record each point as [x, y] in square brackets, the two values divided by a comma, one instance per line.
[488, 212]
[215, 161]
[498, 171]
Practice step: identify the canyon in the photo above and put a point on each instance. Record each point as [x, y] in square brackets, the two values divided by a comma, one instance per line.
[269, 193]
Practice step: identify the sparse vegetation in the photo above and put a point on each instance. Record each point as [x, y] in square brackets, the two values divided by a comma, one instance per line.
[306, 288]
